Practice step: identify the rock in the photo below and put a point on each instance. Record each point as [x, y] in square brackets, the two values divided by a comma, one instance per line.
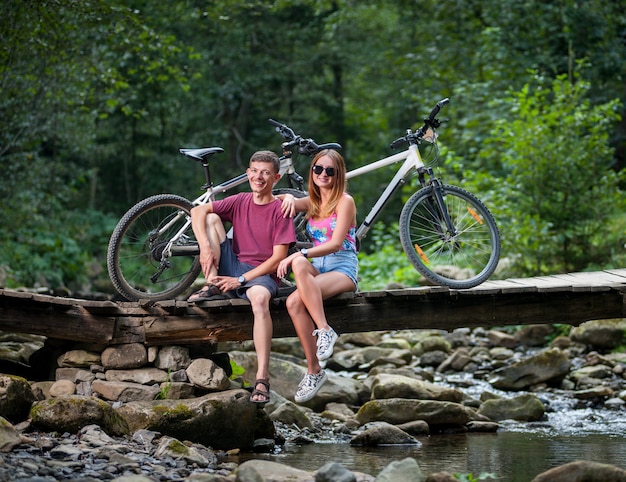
[416, 427]
[221, 420]
[482, 427]
[264, 470]
[9, 438]
[434, 342]
[16, 397]
[592, 371]
[289, 413]
[399, 386]
[172, 358]
[441, 477]
[583, 471]
[285, 376]
[205, 374]
[338, 411]
[433, 358]
[131, 355]
[591, 393]
[406, 470]
[170, 447]
[62, 388]
[78, 359]
[534, 335]
[602, 334]
[548, 366]
[124, 391]
[525, 408]
[334, 472]
[457, 361]
[382, 433]
[398, 410]
[144, 376]
[74, 374]
[70, 414]
[501, 339]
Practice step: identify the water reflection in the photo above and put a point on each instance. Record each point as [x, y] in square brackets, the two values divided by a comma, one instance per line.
[511, 456]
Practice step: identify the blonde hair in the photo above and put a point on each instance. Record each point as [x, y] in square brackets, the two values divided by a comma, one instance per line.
[339, 186]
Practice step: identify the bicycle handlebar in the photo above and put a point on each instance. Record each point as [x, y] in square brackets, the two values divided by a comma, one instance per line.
[308, 147]
[430, 121]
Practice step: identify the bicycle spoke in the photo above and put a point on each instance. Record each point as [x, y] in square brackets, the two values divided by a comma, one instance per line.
[459, 257]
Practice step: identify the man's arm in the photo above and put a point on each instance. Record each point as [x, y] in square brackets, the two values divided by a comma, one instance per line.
[198, 224]
[269, 266]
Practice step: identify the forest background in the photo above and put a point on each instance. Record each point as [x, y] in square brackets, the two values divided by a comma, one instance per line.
[96, 98]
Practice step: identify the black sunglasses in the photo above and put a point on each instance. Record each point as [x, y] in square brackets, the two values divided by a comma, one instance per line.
[330, 171]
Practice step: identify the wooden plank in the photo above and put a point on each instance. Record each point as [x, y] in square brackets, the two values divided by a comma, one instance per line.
[617, 272]
[599, 279]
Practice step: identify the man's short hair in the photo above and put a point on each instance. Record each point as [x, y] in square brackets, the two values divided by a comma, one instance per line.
[267, 156]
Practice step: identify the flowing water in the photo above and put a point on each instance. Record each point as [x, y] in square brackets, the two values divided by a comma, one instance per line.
[509, 456]
[518, 452]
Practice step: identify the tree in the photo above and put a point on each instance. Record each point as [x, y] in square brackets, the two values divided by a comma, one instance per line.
[559, 197]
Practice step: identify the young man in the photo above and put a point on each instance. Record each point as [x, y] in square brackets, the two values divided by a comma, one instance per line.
[246, 266]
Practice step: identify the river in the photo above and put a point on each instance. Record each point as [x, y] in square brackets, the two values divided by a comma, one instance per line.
[518, 452]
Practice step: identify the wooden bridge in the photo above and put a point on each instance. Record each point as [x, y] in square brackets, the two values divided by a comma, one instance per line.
[569, 299]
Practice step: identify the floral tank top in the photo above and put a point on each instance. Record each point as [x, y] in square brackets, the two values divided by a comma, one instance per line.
[322, 231]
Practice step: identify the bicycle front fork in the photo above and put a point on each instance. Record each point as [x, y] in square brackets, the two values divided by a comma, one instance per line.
[436, 204]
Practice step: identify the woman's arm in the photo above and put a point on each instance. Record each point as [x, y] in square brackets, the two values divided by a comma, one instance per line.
[292, 205]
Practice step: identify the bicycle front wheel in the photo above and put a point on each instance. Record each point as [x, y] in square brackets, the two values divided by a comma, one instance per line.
[460, 259]
[145, 258]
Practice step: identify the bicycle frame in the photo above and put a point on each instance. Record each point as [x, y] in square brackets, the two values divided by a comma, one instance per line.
[286, 168]
[412, 160]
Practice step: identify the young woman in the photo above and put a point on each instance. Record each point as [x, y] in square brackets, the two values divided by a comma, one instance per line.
[325, 270]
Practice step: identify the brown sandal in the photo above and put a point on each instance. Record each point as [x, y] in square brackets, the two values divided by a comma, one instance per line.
[207, 293]
[264, 394]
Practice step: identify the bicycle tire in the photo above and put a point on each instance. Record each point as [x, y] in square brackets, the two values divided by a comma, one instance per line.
[133, 257]
[463, 261]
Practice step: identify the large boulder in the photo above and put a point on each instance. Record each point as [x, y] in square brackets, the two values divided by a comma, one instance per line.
[400, 410]
[548, 366]
[600, 334]
[70, 414]
[16, 398]
[583, 471]
[525, 408]
[221, 420]
[285, 375]
[385, 385]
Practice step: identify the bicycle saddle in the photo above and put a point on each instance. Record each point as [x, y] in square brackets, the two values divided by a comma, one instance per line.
[201, 154]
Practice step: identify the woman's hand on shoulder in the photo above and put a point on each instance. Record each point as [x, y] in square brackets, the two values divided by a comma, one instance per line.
[289, 205]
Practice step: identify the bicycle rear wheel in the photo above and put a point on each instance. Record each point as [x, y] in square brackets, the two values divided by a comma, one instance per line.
[141, 262]
[299, 221]
[459, 260]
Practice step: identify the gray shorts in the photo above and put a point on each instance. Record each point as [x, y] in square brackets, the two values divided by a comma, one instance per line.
[231, 266]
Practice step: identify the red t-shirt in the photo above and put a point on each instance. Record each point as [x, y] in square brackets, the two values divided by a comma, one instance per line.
[257, 228]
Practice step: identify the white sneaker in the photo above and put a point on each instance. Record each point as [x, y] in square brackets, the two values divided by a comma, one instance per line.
[325, 343]
[309, 386]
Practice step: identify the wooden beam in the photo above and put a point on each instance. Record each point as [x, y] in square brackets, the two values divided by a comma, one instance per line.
[569, 299]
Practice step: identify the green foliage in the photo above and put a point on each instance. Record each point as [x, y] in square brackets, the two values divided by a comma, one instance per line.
[97, 97]
[386, 262]
[237, 369]
[559, 195]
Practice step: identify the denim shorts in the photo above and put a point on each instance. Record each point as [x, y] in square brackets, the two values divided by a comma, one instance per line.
[343, 261]
[231, 266]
